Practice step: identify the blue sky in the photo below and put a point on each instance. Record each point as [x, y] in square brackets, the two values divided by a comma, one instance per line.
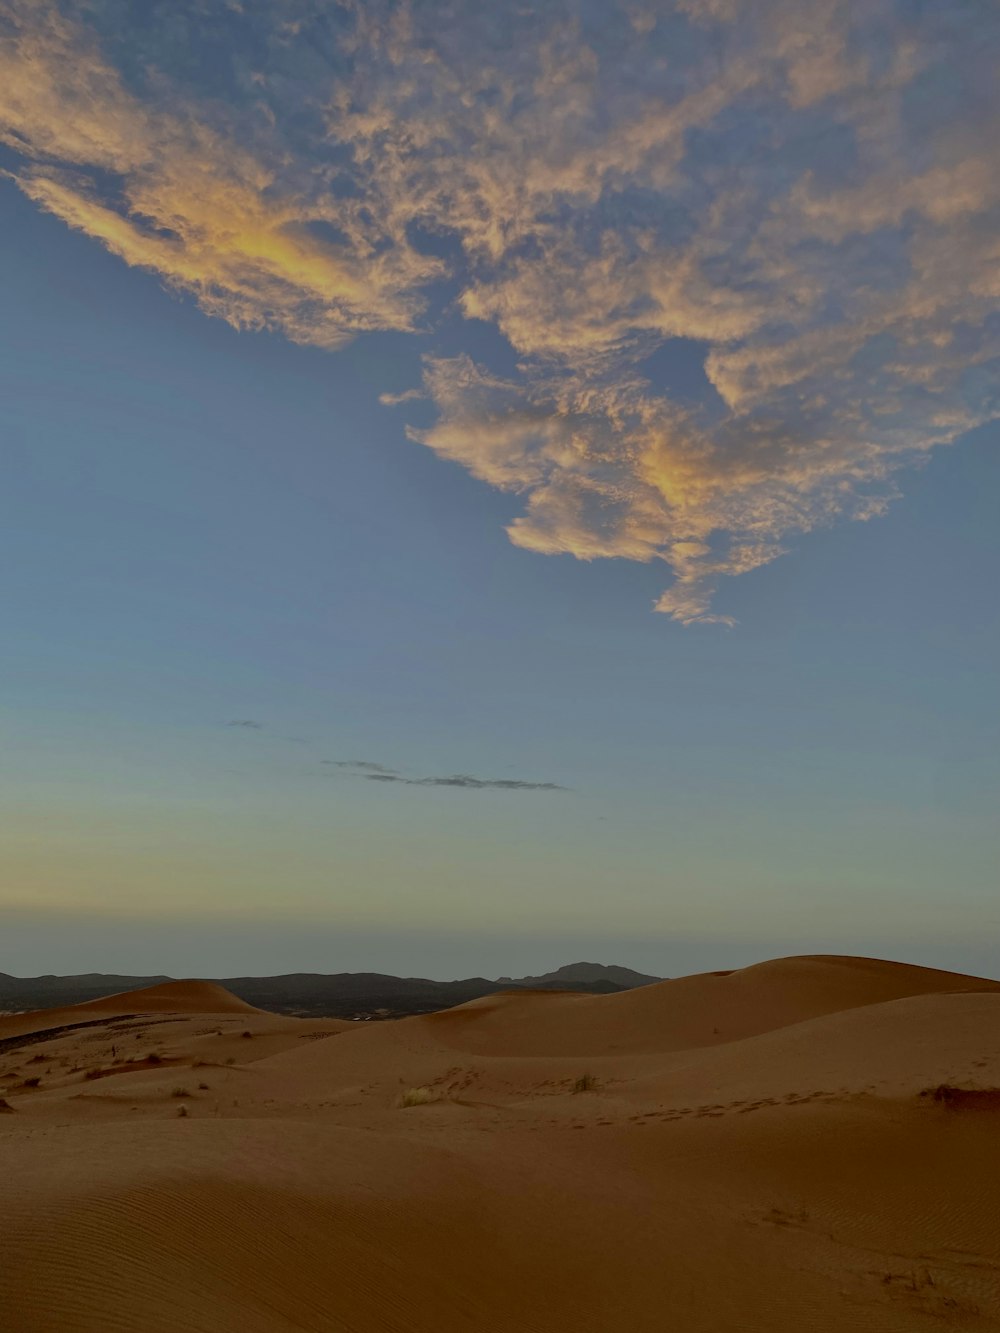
[669, 309]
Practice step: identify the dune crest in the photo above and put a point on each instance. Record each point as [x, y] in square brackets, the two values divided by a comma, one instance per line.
[177, 997]
[684, 1013]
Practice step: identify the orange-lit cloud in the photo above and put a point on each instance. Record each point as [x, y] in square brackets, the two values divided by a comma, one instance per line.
[195, 205]
[790, 186]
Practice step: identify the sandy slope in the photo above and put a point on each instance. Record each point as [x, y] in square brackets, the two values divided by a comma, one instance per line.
[754, 1154]
[172, 997]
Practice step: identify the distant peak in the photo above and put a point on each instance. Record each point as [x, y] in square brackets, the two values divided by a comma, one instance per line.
[622, 978]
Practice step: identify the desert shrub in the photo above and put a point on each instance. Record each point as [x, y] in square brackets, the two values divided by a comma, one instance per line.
[585, 1083]
[246, 1034]
[182, 1111]
[31, 1082]
[155, 1058]
[944, 1092]
[964, 1098]
[417, 1097]
[203, 1087]
[180, 1092]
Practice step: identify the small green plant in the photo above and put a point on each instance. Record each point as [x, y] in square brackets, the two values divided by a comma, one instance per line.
[417, 1097]
[585, 1083]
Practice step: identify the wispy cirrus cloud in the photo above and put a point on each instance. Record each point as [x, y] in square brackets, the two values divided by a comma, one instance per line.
[468, 783]
[802, 190]
[372, 772]
[360, 765]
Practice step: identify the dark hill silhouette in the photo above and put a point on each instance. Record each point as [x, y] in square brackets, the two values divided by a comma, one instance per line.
[584, 976]
[337, 995]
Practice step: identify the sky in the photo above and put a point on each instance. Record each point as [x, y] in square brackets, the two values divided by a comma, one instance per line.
[492, 486]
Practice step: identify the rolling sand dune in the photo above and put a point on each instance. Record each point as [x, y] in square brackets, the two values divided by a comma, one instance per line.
[171, 997]
[697, 1011]
[761, 1150]
[175, 997]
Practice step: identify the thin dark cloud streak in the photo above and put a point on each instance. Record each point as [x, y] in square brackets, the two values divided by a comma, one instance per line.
[366, 765]
[373, 772]
[467, 782]
[247, 723]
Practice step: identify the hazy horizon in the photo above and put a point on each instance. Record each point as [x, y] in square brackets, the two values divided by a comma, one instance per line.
[216, 948]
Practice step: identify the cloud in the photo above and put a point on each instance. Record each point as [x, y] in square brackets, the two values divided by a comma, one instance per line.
[468, 783]
[246, 722]
[492, 784]
[372, 772]
[801, 190]
[364, 765]
[206, 206]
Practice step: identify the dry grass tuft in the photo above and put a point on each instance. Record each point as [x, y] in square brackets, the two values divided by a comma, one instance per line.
[417, 1097]
[585, 1083]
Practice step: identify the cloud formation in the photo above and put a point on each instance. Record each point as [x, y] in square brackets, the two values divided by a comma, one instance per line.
[372, 772]
[469, 783]
[804, 192]
[363, 765]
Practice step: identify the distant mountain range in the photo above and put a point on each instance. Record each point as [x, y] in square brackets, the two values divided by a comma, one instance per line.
[339, 995]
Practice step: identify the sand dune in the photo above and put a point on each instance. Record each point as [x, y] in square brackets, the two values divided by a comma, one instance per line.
[717, 1154]
[170, 997]
[697, 1011]
[176, 997]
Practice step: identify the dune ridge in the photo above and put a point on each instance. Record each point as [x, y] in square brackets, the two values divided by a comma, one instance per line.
[176, 997]
[702, 1010]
